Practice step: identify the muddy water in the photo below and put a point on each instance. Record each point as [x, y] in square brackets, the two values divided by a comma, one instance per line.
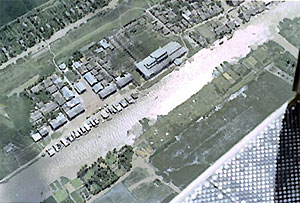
[32, 183]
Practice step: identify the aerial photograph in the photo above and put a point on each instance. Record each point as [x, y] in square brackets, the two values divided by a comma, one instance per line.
[149, 101]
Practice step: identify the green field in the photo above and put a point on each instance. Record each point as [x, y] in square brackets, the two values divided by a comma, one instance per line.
[152, 192]
[11, 9]
[118, 193]
[290, 28]
[203, 142]
[98, 27]
[15, 110]
[135, 176]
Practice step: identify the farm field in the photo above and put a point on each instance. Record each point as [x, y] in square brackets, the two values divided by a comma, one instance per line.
[203, 142]
[11, 9]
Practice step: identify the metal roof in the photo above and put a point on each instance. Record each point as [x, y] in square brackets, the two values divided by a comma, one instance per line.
[158, 60]
[90, 78]
[80, 87]
[108, 90]
[58, 122]
[122, 81]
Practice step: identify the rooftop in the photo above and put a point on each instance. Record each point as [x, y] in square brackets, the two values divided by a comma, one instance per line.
[107, 91]
[122, 81]
[79, 87]
[90, 78]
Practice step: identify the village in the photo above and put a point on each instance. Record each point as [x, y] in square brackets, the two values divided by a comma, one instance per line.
[102, 78]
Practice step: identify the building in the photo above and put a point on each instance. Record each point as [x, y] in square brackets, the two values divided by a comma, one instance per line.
[58, 98]
[80, 87]
[50, 151]
[104, 114]
[76, 64]
[96, 88]
[160, 59]
[62, 66]
[49, 107]
[104, 44]
[43, 131]
[73, 102]
[36, 137]
[65, 142]
[107, 91]
[124, 80]
[67, 93]
[74, 112]
[90, 79]
[51, 89]
[59, 121]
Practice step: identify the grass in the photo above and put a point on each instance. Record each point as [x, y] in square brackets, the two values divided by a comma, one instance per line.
[118, 193]
[289, 29]
[71, 76]
[11, 9]
[61, 195]
[16, 75]
[50, 200]
[76, 183]
[64, 180]
[152, 192]
[135, 176]
[105, 26]
[76, 197]
[18, 109]
[203, 142]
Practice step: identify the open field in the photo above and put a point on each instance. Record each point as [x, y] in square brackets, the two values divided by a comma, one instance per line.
[11, 9]
[289, 29]
[118, 193]
[105, 23]
[203, 142]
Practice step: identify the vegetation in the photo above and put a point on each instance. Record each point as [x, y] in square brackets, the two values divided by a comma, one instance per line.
[103, 173]
[11, 9]
[290, 28]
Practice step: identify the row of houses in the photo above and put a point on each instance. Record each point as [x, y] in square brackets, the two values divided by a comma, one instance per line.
[86, 127]
[104, 90]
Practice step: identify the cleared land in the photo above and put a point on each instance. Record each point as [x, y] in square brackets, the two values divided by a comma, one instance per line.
[203, 142]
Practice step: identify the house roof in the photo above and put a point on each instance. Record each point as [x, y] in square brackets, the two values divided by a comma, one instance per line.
[59, 121]
[73, 102]
[74, 112]
[108, 90]
[90, 78]
[67, 93]
[36, 137]
[80, 87]
[122, 81]
[96, 88]
[158, 60]
[43, 131]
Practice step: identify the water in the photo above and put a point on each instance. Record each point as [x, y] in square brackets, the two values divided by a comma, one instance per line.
[32, 184]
